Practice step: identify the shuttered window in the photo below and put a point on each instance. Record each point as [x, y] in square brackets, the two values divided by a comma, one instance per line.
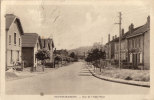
[14, 38]
[9, 39]
[19, 41]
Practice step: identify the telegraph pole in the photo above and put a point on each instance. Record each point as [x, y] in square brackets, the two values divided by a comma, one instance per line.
[119, 38]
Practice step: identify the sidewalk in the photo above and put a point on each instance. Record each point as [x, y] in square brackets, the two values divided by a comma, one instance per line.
[130, 82]
[14, 75]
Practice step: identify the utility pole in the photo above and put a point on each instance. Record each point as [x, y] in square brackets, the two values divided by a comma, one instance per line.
[119, 38]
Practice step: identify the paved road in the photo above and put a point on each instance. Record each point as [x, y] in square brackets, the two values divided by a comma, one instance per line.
[74, 79]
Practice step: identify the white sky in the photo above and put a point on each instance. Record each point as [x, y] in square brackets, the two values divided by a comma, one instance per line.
[72, 26]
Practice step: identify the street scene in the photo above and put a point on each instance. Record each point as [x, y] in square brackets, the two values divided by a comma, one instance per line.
[73, 79]
[77, 49]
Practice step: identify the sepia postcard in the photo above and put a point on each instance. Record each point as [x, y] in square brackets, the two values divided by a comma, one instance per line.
[76, 50]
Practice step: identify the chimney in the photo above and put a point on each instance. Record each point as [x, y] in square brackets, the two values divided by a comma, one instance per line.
[112, 37]
[109, 38]
[148, 21]
[122, 32]
[131, 27]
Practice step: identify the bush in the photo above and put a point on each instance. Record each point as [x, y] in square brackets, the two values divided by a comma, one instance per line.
[49, 65]
[128, 78]
[42, 54]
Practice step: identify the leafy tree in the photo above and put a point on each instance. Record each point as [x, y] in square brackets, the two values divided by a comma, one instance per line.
[74, 56]
[95, 55]
[43, 55]
[58, 58]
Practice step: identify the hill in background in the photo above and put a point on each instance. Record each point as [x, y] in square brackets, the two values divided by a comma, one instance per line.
[81, 50]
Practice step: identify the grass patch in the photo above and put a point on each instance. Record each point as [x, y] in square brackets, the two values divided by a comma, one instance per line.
[126, 74]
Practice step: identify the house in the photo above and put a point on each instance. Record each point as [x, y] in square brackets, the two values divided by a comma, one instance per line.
[139, 46]
[14, 32]
[48, 44]
[116, 48]
[107, 48]
[31, 43]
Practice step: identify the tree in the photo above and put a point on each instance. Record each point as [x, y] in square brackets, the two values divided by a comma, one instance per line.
[57, 59]
[94, 56]
[74, 56]
[43, 55]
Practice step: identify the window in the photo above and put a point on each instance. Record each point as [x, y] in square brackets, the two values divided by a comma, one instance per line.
[49, 46]
[130, 44]
[131, 58]
[140, 57]
[19, 41]
[11, 57]
[124, 56]
[139, 42]
[136, 42]
[133, 43]
[18, 56]
[14, 38]
[35, 59]
[9, 39]
[37, 46]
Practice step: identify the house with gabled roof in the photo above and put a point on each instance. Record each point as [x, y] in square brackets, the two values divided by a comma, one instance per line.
[14, 32]
[139, 46]
[31, 43]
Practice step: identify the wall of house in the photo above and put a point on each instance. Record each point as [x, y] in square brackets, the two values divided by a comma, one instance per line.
[135, 46]
[13, 50]
[109, 49]
[112, 50]
[123, 49]
[28, 56]
[116, 51]
[51, 55]
[36, 48]
[147, 50]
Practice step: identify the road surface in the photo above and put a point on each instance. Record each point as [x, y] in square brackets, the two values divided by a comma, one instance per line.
[73, 79]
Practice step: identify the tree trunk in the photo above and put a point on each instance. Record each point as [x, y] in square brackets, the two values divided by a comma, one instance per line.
[43, 65]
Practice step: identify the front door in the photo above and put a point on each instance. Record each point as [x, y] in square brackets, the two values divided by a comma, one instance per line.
[135, 61]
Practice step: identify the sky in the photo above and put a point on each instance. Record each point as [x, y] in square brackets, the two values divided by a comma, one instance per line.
[76, 25]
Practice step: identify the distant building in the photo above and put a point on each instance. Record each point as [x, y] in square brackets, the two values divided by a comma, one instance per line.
[48, 44]
[31, 43]
[14, 31]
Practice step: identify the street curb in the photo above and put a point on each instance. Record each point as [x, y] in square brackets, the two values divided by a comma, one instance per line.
[118, 81]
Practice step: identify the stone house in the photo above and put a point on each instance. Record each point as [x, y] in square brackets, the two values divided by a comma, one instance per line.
[139, 46]
[31, 43]
[14, 32]
[48, 44]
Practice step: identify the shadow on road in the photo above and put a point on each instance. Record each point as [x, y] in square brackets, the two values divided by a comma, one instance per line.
[85, 75]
